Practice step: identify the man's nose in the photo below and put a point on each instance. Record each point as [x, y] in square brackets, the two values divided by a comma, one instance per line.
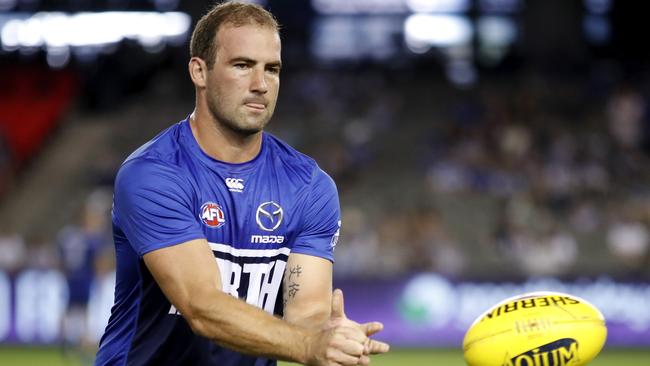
[258, 82]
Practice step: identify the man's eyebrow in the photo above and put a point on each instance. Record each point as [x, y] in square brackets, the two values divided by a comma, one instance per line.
[249, 60]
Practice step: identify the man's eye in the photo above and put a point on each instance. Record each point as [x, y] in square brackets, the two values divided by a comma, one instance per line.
[241, 66]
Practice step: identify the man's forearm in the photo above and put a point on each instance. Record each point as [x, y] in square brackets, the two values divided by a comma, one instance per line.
[311, 315]
[189, 279]
[237, 325]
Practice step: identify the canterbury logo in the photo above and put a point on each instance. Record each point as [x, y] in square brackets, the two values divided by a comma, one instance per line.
[235, 184]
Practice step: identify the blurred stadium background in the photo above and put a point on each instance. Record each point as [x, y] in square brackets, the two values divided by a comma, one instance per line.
[482, 148]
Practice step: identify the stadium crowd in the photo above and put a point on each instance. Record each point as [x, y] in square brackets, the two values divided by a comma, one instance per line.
[557, 163]
[527, 175]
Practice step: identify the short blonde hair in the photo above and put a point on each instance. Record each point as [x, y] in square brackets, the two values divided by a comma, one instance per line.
[203, 43]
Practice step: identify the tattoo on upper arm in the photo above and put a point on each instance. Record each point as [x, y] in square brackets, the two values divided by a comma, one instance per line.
[297, 271]
[291, 284]
[293, 289]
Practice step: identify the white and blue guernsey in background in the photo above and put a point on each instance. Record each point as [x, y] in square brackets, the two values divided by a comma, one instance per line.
[253, 215]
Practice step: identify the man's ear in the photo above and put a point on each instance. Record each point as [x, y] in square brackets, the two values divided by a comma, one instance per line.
[198, 72]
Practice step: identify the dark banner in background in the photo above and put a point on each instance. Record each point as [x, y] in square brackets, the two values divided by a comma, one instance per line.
[424, 310]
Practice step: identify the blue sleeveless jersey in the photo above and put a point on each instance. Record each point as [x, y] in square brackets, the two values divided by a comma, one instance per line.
[253, 216]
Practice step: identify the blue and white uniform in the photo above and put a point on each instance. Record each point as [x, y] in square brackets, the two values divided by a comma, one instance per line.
[253, 216]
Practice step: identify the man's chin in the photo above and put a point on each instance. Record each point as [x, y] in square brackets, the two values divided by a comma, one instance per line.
[248, 129]
[241, 123]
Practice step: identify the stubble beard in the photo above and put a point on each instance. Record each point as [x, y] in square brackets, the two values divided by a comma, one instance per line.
[238, 123]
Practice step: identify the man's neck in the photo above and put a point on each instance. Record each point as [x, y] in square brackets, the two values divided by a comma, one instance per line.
[222, 143]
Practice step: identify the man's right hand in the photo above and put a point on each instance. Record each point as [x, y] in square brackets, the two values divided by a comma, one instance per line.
[344, 342]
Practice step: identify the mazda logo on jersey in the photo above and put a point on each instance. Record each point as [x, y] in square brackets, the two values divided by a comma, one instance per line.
[212, 215]
[269, 216]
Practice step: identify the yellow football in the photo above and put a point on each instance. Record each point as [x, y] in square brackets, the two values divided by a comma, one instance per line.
[536, 329]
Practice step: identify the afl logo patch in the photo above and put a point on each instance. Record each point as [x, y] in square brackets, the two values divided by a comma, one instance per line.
[212, 215]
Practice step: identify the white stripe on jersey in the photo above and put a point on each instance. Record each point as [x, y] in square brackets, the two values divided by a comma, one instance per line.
[223, 248]
[264, 278]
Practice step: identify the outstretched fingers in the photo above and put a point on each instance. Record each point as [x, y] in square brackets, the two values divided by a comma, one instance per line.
[375, 347]
[372, 328]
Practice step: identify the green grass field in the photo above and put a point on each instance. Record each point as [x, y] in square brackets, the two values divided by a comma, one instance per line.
[423, 357]
[10, 356]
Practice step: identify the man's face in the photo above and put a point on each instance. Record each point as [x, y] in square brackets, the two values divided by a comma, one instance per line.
[242, 86]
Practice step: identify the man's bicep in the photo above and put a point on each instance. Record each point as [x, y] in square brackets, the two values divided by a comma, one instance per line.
[187, 274]
[307, 290]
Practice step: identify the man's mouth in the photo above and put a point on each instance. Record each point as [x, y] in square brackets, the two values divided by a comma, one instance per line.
[256, 106]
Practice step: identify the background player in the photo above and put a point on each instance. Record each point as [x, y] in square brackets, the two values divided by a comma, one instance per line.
[215, 187]
[80, 249]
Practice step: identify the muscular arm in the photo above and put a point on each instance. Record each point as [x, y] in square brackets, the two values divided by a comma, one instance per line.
[307, 290]
[189, 277]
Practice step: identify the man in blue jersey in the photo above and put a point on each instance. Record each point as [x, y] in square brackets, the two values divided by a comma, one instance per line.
[213, 218]
[80, 248]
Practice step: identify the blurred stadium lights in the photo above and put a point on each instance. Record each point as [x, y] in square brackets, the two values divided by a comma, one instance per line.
[495, 36]
[596, 25]
[359, 6]
[453, 34]
[426, 24]
[597, 29]
[461, 72]
[348, 38]
[438, 6]
[424, 30]
[417, 6]
[372, 29]
[598, 6]
[58, 57]
[7, 4]
[496, 31]
[56, 32]
[500, 6]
